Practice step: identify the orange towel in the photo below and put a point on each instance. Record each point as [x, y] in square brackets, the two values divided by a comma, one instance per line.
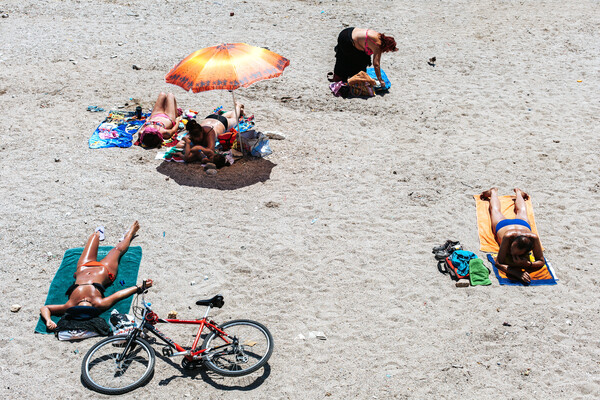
[487, 239]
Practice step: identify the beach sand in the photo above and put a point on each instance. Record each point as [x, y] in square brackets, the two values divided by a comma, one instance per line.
[333, 232]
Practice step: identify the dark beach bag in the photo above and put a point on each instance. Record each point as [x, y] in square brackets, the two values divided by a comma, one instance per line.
[445, 267]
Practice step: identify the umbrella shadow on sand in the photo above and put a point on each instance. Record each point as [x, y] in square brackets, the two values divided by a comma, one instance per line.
[242, 173]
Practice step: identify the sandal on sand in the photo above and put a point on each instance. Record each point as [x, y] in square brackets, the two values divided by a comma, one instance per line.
[100, 230]
[449, 244]
[330, 76]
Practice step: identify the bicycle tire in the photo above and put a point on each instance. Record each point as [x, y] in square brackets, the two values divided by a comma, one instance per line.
[98, 365]
[230, 362]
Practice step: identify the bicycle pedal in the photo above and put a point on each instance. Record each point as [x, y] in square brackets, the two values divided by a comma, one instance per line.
[167, 351]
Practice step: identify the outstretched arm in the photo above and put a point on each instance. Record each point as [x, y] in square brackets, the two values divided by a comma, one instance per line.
[173, 130]
[538, 253]
[123, 294]
[377, 65]
[49, 310]
[505, 247]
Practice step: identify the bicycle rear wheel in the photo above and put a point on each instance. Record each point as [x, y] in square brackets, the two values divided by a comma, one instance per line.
[245, 347]
[101, 372]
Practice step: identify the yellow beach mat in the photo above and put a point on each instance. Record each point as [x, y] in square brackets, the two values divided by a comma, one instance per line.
[487, 239]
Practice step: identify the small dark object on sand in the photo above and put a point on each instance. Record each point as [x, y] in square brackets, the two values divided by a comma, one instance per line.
[431, 61]
[231, 14]
[136, 67]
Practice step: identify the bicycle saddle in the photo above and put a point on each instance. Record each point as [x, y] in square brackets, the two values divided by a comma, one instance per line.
[216, 301]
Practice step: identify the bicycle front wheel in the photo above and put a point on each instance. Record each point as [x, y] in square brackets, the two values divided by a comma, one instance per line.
[101, 371]
[245, 347]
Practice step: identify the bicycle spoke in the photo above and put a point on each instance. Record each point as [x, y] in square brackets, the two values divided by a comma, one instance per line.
[106, 374]
[247, 347]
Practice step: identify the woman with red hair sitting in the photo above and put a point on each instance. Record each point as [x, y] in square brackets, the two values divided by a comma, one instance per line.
[354, 50]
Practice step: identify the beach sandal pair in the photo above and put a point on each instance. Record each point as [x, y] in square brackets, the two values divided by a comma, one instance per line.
[445, 250]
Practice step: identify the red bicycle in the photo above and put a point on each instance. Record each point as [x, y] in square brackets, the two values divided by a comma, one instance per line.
[122, 363]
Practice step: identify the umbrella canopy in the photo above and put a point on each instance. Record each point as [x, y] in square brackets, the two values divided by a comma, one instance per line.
[226, 66]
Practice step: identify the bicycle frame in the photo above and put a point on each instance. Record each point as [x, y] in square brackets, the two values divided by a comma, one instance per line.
[191, 354]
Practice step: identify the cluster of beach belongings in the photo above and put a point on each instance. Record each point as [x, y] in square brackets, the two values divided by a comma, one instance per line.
[254, 143]
[119, 128]
[80, 326]
[362, 84]
[461, 264]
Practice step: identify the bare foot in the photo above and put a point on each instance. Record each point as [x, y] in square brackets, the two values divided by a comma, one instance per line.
[525, 195]
[241, 107]
[486, 195]
[133, 230]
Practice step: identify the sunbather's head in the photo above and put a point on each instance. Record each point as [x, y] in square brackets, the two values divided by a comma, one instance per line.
[194, 130]
[388, 43]
[151, 137]
[220, 161]
[521, 246]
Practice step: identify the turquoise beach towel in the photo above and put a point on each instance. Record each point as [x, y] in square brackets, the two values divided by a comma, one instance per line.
[129, 266]
[372, 74]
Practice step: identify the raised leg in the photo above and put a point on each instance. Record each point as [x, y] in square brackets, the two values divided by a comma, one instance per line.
[90, 251]
[520, 206]
[161, 104]
[230, 115]
[111, 261]
[495, 208]
[171, 106]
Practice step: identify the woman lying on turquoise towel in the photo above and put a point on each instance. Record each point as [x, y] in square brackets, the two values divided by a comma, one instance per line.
[515, 237]
[86, 295]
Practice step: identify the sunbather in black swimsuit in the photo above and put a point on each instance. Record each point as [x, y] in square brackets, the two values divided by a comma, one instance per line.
[221, 119]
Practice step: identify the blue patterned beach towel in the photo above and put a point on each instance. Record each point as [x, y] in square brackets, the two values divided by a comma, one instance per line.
[117, 130]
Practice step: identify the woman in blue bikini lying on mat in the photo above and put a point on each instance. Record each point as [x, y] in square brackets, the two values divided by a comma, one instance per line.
[514, 237]
[86, 295]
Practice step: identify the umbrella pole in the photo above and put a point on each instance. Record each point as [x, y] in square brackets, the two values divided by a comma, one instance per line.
[237, 119]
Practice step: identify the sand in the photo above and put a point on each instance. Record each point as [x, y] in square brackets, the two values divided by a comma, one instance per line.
[358, 193]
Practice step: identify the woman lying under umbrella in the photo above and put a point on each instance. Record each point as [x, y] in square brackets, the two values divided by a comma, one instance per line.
[86, 295]
[199, 144]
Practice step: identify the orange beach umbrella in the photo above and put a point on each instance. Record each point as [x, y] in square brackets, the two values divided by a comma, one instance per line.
[226, 66]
